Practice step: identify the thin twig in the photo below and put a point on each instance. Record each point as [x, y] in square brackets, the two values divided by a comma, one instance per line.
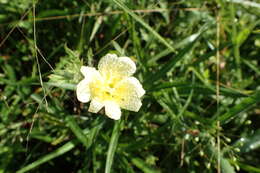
[217, 89]
[105, 14]
[16, 25]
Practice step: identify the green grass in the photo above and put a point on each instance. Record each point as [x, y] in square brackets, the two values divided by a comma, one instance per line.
[197, 60]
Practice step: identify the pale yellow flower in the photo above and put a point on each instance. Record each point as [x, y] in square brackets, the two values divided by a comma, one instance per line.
[111, 86]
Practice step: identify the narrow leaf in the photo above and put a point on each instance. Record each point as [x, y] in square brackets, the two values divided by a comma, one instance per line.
[139, 163]
[77, 131]
[65, 148]
[246, 3]
[172, 63]
[186, 87]
[60, 151]
[245, 104]
[251, 143]
[248, 168]
[67, 86]
[140, 20]
[226, 166]
[112, 146]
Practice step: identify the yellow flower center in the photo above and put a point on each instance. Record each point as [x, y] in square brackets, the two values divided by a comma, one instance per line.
[104, 90]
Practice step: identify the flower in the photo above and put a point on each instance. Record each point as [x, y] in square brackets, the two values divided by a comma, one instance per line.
[111, 86]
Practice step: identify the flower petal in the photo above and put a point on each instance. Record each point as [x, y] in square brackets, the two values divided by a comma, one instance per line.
[83, 88]
[112, 110]
[136, 85]
[131, 103]
[127, 65]
[95, 106]
[88, 72]
[116, 66]
[83, 91]
[128, 93]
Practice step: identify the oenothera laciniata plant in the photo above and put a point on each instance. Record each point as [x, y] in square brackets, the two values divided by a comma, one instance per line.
[111, 86]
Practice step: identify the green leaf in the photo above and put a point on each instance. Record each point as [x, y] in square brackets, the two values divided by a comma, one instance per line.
[139, 163]
[185, 87]
[60, 151]
[245, 104]
[112, 146]
[68, 69]
[248, 168]
[226, 166]
[172, 63]
[166, 52]
[95, 28]
[140, 20]
[66, 147]
[246, 3]
[254, 67]
[51, 13]
[77, 131]
[67, 86]
[251, 143]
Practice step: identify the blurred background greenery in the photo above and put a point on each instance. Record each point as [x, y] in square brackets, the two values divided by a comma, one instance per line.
[197, 60]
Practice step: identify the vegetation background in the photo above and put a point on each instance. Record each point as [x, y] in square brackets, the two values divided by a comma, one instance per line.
[197, 60]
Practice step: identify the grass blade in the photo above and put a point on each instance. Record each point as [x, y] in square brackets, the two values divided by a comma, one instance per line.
[65, 148]
[185, 87]
[166, 52]
[112, 146]
[77, 131]
[139, 163]
[248, 168]
[254, 67]
[251, 143]
[140, 20]
[167, 67]
[244, 105]
[60, 151]
[246, 3]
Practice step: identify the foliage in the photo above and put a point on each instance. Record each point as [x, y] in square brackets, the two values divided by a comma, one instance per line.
[199, 64]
